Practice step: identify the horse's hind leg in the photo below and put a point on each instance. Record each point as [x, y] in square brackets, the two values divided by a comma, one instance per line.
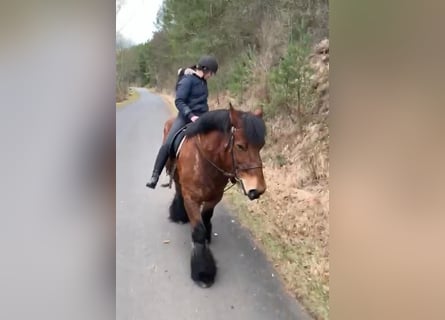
[206, 219]
[203, 266]
[177, 210]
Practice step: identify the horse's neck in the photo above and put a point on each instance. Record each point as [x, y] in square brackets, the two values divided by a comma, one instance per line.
[213, 146]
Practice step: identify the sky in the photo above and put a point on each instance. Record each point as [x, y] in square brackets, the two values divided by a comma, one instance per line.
[136, 19]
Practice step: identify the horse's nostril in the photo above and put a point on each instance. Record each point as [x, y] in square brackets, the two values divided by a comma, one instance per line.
[253, 194]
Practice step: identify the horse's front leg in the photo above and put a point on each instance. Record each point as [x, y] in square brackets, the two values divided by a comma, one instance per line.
[207, 215]
[203, 266]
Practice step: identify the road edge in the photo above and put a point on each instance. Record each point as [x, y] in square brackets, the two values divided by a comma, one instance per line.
[133, 96]
[168, 99]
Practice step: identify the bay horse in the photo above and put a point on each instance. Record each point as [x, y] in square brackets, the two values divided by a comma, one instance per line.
[221, 145]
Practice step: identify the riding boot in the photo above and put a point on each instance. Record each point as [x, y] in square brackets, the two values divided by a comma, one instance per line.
[153, 181]
[161, 159]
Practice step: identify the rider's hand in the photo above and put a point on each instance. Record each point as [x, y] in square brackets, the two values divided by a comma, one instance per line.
[194, 118]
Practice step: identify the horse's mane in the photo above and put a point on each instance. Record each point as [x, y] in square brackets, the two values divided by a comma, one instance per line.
[254, 127]
[213, 120]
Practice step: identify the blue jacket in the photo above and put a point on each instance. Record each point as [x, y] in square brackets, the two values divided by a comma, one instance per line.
[191, 96]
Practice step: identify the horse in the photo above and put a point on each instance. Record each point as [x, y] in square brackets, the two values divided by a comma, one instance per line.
[221, 145]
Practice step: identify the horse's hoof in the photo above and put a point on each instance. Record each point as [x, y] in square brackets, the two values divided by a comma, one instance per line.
[203, 266]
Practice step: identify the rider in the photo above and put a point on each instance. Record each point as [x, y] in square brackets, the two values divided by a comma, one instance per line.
[191, 102]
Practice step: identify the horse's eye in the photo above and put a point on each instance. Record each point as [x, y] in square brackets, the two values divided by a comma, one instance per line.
[241, 147]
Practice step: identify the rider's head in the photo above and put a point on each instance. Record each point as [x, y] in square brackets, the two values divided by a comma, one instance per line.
[208, 65]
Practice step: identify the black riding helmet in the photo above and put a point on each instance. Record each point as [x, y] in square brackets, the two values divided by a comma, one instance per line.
[208, 63]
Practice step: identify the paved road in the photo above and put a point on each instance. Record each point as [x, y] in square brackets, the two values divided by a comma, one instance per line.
[153, 280]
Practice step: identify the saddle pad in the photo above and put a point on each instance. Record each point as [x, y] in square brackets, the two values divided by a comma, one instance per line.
[179, 147]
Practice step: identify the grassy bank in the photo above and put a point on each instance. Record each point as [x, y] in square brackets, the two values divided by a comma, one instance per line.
[132, 96]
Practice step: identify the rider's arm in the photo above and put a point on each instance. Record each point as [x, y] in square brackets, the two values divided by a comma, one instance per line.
[182, 94]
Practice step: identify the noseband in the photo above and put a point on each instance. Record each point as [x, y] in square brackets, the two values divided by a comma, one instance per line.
[236, 168]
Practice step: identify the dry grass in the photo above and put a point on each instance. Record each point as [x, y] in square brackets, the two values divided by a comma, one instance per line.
[319, 62]
[290, 221]
[132, 96]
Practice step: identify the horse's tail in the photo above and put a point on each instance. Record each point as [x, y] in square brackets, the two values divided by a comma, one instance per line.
[168, 124]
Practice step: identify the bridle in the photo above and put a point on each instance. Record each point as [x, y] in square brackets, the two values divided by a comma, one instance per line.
[236, 168]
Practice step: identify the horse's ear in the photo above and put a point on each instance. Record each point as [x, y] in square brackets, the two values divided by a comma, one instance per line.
[258, 112]
[233, 115]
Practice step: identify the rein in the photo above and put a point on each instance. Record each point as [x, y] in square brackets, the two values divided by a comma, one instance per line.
[227, 174]
[235, 166]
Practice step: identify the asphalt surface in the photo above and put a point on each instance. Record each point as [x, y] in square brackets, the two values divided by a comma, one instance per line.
[153, 254]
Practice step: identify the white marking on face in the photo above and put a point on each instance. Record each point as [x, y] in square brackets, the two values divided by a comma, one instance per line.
[250, 182]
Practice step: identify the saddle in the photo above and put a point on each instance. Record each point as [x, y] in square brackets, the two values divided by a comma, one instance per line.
[176, 144]
[173, 153]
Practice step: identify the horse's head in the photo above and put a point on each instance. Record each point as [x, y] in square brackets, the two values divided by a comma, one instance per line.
[248, 133]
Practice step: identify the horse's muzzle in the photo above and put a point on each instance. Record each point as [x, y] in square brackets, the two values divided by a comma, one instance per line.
[253, 194]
